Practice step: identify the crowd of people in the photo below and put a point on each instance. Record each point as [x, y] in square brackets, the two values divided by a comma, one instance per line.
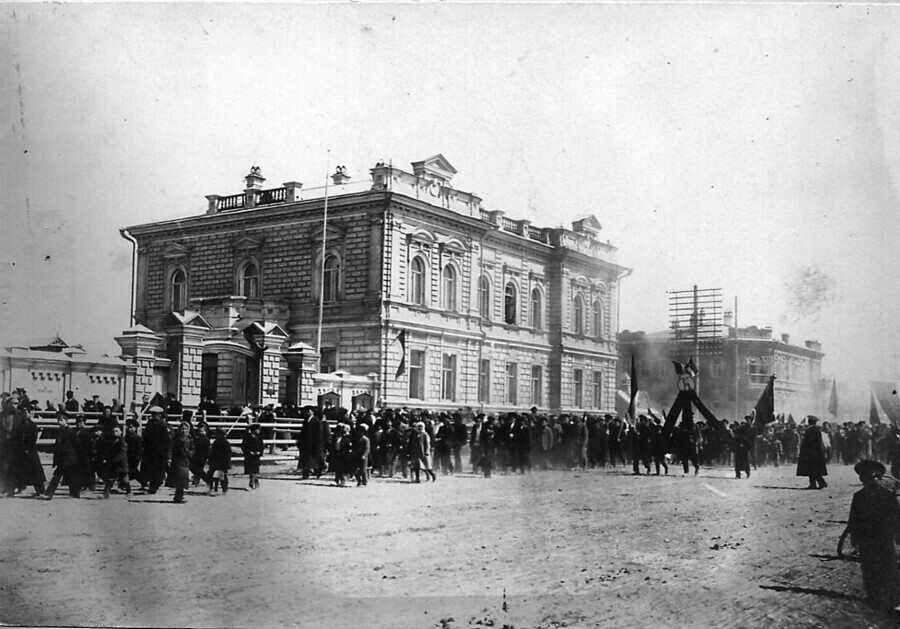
[120, 446]
[109, 454]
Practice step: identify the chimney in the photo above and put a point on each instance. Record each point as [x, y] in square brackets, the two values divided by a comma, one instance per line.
[340, 176]
[786, 339]
[728, 319]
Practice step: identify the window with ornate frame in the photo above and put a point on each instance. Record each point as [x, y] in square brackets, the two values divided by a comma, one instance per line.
[537, 306]
[249, 279]
[597, 320]
[178, 288]
[484, 298]
[449, 288]
[578, 315]
[417, 281]
[510, 303]
[331, 278]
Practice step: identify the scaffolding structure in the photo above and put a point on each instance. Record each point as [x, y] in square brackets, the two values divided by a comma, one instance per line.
[695, 323]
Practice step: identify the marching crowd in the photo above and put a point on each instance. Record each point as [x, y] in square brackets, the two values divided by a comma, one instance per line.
[106, 456]
[140, 446]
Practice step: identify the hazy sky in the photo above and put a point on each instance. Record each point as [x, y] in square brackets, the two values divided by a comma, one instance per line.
[753, 148]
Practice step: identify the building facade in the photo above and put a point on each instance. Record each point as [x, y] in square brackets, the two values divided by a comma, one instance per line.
[732, 378]
[399, 290]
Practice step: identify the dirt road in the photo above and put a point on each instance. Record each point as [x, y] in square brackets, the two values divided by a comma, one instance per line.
[600, 548]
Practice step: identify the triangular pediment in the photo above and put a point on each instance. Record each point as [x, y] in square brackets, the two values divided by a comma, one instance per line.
[184, 319]
[435, 167]
[245, 242]
[267, 328]
[175, 250]
[589, 225]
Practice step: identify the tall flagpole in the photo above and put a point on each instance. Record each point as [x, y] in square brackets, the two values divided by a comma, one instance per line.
[322, 269]
[737, 366]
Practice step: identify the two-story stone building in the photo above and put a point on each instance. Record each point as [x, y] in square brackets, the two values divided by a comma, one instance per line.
[399, 290]
[733, 377]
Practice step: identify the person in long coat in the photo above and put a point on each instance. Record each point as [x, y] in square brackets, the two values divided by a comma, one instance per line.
[874, 526]
[179, 475]
[362, 448]
[114, 461]
[26, 459]
[741, 448]
[219, 461]
[135, 451]
[420, 453]
[253, 447]
[201, 454]
[66, 464]
[157, 450]
[311, 445]
[811, 462]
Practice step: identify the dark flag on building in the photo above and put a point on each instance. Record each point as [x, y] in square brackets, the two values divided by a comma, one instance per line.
[634, 389]
[833, 401]
[764, 411]
[401, 368]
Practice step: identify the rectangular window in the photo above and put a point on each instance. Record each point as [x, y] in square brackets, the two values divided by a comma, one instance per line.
[512, 383]
[484, 381]
[715, 370]
[578, 382]
[598, 389]
[537, 385]
[448, 377]
[417, 374]
[328, 360]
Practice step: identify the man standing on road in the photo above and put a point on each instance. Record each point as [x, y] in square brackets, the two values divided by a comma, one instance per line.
[811, 462]
[65, 459]
[874, 525]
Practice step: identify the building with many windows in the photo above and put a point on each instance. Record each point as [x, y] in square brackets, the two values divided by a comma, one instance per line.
[398, 290]
[732, 378]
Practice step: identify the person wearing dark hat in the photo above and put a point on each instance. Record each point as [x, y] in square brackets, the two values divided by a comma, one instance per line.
[135, 451]
[71, 404]
[253, 447]
[874, 527]
[179, 473]
[201, 454]
[741, 444]
[811, 462]
[7, 421]
[65, 459]
[27, 468]
[219, 461]
[157, 450]
[113, 465]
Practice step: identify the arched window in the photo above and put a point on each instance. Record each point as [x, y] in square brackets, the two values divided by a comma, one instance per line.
[448, 288]
[597, 320]
[484, 298]
[179, 291]
[331, 279]
[417, 281]
[509, 303]
[578, 315]
[536, 308]
[248, 280]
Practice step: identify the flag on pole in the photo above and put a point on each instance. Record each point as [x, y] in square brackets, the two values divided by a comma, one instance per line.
[833, 401]
[634, 388]
[401, 368]
[874, 419]
[764, 410]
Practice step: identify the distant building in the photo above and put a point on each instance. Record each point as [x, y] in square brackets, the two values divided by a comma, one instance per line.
[47, 368]
[427, 299]
[731, 381]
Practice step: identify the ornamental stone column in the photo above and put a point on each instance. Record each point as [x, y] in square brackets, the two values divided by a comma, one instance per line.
[139, 345]
[185, 333]
[302, 360]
